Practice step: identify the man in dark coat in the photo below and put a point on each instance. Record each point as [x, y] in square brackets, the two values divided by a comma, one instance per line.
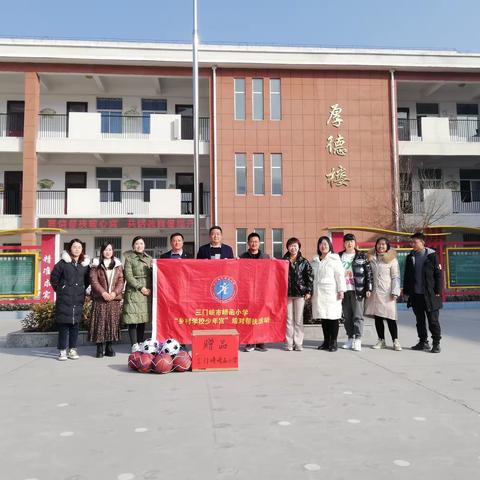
[254, 252]
[422, 286]
[215, 249]
[177, 251]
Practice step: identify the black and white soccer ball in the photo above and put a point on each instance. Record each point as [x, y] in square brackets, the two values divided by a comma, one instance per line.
[150, 346]
[170, 346]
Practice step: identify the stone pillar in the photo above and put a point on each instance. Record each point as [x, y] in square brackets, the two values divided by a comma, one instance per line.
[29, 189]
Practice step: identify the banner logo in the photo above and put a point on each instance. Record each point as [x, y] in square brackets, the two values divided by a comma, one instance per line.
[223, 289]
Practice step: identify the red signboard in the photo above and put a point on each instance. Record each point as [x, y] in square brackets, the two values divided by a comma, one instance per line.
[247, 295]
[214, 350]
[46, 266]
[114, 223]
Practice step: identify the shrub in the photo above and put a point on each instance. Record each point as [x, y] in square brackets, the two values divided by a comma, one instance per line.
[13, 307]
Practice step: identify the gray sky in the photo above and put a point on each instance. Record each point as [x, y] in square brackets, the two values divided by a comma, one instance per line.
[435, 24]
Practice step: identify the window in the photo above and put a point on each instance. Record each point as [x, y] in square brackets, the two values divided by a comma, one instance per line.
[241, 241]
[239, 92]
[257, 99]
[276, 165]
[155, 246]
[240, 174]
[277, 242]
[153, 179]
[275, 100]
[111, 112]
[429, 178]
[470, 185]
[109, 181]
[261, 233]
[116, 243]
[258, 174]
[150, 106]
[467, 109]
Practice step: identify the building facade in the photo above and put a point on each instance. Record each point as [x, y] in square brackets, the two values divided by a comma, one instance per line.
[96, 138]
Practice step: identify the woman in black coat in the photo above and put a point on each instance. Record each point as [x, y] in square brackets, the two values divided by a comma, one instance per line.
[70, 278]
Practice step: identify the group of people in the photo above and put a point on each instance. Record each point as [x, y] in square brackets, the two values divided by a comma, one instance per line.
[349, 285]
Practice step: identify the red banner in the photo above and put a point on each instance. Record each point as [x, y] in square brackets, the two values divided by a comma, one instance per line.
[248, 295]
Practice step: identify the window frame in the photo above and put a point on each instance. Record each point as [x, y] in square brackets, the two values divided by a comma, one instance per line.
[244, 173]
[254, 93]
[280, 168]
[254, 172]
[279, 94]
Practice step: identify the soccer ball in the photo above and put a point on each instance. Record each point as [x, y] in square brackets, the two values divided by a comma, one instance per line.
[150, 346]
[170, 346]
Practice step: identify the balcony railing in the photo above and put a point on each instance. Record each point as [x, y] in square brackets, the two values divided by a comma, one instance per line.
[11, 124]
[11, 202]
[123, 203]
[51, 202]
[464, 130]
[409, 130]
[411, 202]
[203, 128]
[187, 203]
[125, 126]
[466, 202]
[53, 126]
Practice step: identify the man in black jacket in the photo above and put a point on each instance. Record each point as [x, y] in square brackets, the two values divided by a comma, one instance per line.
[359, 280]
[422, 286]
[254, 252]
[215, 249]
[176, 242]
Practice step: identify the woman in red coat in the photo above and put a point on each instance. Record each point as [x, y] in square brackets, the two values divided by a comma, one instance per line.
[107, 281]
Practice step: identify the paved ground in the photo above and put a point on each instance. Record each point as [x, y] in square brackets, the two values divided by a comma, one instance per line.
[283, 415]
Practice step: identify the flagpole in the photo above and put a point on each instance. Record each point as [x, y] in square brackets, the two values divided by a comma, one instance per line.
[196, 194]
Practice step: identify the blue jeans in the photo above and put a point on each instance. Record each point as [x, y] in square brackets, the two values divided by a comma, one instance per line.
[67, 335]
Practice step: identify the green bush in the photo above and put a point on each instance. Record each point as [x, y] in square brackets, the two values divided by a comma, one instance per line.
[14, 307]
[42, 317]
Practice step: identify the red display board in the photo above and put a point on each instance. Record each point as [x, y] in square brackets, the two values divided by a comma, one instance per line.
[214, 350]
[247, 295]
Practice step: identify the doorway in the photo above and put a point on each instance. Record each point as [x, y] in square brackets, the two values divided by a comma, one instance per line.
[76, 107]
[15, 118]
[12, 200]
[184, 182]
[186, 112]
[74, 180]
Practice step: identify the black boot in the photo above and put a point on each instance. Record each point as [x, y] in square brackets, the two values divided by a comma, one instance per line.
[436, 347]
[326, 336]
[333, 335]
[109, 352]
[422, 345]
[99, 350]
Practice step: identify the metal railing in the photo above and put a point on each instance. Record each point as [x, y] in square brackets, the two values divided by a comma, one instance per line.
[53, 125]
[125, 126]
[409, 129]
[464, 130]
[466, 202]
[51, 202]
[123, 203]
[203, 128]
[11, 124]
[411, 202]
[11, 202]
[187, 204]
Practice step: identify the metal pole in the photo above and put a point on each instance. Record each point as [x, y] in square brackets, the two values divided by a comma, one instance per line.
[215, 175]
[396, 169]
[196, 189]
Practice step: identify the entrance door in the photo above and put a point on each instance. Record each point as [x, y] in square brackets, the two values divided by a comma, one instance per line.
[186, 111]
[403, 116]
[15, 118]
[12, 200]
[74, 180]
[76, 107]
[184, 181]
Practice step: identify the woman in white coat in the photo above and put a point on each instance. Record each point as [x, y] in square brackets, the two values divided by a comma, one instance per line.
[382, 304]
[328, 289]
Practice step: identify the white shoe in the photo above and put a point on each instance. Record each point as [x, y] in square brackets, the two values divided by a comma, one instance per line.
[249, 348]
[357, 345]
[396, 345]
[62, 355]
[379, 344]
[72, 354]
[348, 344]
[136, 347]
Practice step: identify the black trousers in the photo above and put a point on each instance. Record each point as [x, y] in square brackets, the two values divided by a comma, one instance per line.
[67, 335]
[380, 327]
[420, 311]
[330, 331]
[136, 332]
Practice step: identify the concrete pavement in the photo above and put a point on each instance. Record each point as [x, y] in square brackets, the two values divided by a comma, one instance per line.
[283, 415]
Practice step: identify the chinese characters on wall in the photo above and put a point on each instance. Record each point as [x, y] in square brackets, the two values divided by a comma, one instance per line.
[337, 177]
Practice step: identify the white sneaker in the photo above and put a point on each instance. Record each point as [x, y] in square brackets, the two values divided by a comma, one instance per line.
[62, 355]
[135, 347]
[348, 344]
[72, 354]
[357, 345]
[380, 344]
[249, 348]
[396, 345]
